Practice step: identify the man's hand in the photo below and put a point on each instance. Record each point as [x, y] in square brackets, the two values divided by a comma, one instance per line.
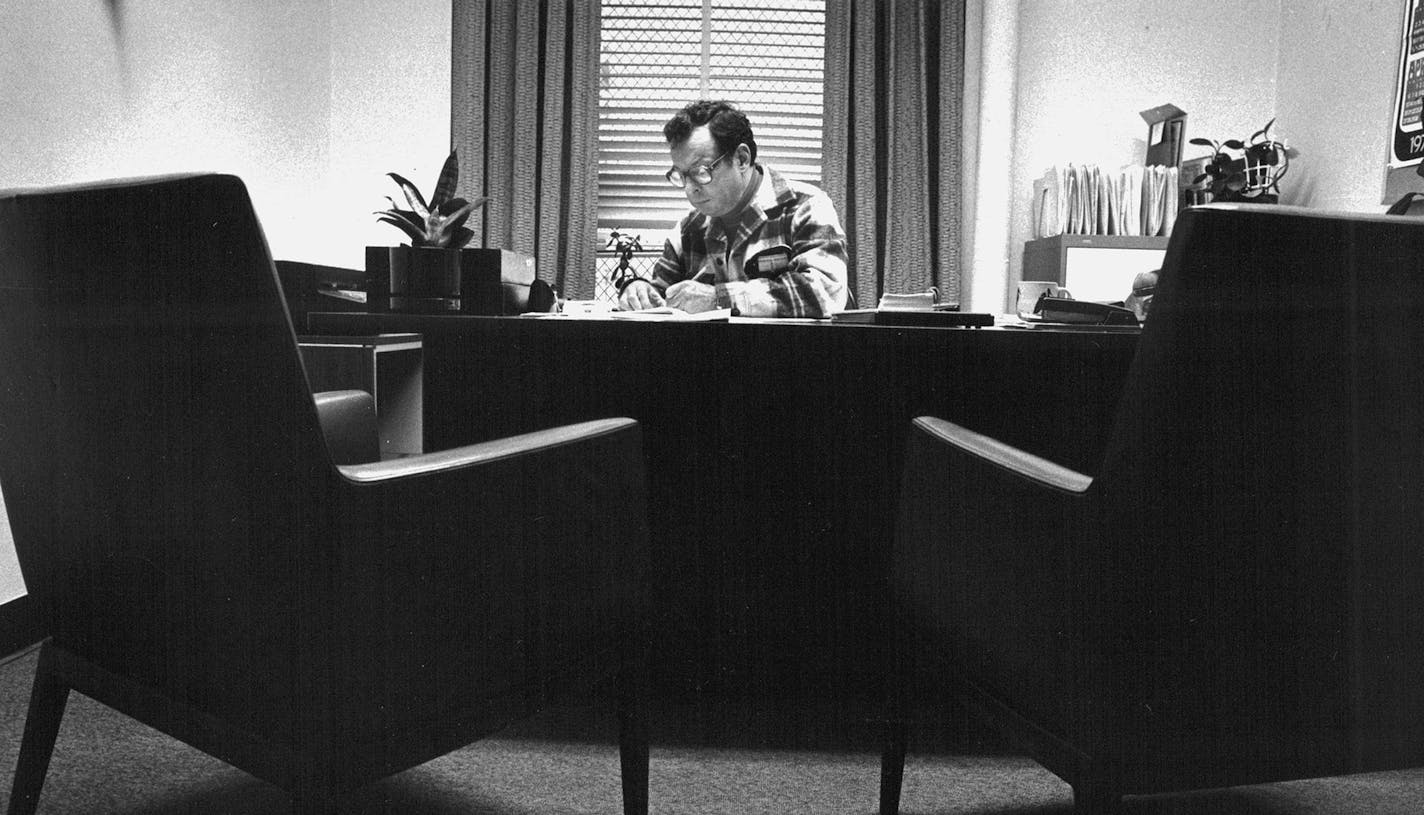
[691, 296]
[640, 294]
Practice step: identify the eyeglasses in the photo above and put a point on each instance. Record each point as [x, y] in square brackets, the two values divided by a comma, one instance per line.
[701, 174]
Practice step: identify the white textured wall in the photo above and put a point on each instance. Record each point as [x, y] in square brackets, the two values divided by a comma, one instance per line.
[390, 112]
[311, 103]
[1087, 67]
[105, 89]
[1335, 89]
[1084, 68]
[992, 45]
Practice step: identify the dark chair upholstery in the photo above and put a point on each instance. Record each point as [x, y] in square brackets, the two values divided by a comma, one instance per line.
[1237, 594]
[206, 567]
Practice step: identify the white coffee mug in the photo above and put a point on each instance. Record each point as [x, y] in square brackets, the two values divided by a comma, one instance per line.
[1031, 290]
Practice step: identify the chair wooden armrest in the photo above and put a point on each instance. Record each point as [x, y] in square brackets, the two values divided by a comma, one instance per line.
[1027, 465]
[485, 452]
[348, 422]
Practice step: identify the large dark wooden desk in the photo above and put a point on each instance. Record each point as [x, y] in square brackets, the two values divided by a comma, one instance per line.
[774, 453]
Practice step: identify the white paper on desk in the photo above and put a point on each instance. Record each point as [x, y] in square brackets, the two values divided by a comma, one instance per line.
[1090, 199]
[1061, 180]
[1077, 200]
[1103, 185]
[1051, 202]
[671, 314]
[1170, 199]
[1115, 219]
[1045, 206]
[1152, 200]
[1131, 200]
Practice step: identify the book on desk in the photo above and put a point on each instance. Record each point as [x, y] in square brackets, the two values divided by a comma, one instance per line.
[932, 317]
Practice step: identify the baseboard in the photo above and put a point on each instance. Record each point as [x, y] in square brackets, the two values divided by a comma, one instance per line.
[20, 625]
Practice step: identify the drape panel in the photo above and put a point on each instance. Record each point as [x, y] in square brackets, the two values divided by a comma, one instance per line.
[894, 101]
[524, 116]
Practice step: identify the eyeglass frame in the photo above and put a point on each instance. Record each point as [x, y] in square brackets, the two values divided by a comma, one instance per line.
[704, 169]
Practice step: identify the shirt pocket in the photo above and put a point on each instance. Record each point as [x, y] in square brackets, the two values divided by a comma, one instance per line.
[769, 262]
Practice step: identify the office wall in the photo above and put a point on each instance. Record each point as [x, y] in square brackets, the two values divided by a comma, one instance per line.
[1086, 67]
[1335, 102]
[310, 103]
[99, 89]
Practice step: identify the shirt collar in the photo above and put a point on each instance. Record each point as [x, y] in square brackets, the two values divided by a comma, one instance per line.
[772, 193]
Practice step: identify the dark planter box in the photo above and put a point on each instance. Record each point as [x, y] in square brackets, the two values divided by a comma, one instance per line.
[420, 280]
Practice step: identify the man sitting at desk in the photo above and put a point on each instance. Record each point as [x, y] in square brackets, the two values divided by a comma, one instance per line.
[755, 242]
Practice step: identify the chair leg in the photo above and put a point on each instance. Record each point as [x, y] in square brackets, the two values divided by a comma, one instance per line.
[892, 766]
[47, 701]
[633, 739]
[1091, 798]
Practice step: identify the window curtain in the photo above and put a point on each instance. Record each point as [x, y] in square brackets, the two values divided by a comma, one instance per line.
[894, 97]
[524, 117]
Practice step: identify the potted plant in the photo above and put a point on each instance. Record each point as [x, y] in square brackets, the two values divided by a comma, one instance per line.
[1248, 170]
[423, 275]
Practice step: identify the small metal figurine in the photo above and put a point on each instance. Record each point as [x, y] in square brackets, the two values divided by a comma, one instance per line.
[624, 245]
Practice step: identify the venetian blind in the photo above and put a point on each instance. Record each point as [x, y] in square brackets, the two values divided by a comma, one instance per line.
[765, 56]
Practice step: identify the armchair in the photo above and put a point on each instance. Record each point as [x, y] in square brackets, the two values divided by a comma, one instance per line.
[208, 564]
[1236, 595]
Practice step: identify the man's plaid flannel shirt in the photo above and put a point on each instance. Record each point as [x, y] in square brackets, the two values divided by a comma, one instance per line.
[785, 213]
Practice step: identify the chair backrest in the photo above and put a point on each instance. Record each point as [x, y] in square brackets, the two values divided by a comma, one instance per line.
[1265, 475]
[159, 449]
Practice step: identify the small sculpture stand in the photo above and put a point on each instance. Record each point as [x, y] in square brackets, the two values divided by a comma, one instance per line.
[624, 245]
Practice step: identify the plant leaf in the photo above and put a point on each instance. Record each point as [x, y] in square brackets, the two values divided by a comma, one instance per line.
[408, 215]
[457, 220]
[456, 203]
[412, 195]
[449, 206]
[449, 177]
[1234, 144]
[1267, 128]
[460, 237]
[1199, 179]
[1201, 141]
[417, 236]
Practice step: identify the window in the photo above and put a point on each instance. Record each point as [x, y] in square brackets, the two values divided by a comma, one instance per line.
[766, 57]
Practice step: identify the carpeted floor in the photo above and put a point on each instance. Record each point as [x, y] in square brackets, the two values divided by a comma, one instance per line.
[707, 759]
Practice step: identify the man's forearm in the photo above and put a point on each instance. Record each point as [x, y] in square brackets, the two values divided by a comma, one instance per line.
[808, 291]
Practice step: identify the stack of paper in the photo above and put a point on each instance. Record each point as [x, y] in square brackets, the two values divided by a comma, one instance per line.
[672, 314]
[1084, 199]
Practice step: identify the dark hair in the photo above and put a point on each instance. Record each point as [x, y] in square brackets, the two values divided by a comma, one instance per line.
[729, 127]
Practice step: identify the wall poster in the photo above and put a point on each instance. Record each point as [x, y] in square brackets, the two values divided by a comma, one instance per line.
[1407, 145]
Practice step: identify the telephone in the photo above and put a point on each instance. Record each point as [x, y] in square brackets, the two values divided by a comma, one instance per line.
[1086, 312]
